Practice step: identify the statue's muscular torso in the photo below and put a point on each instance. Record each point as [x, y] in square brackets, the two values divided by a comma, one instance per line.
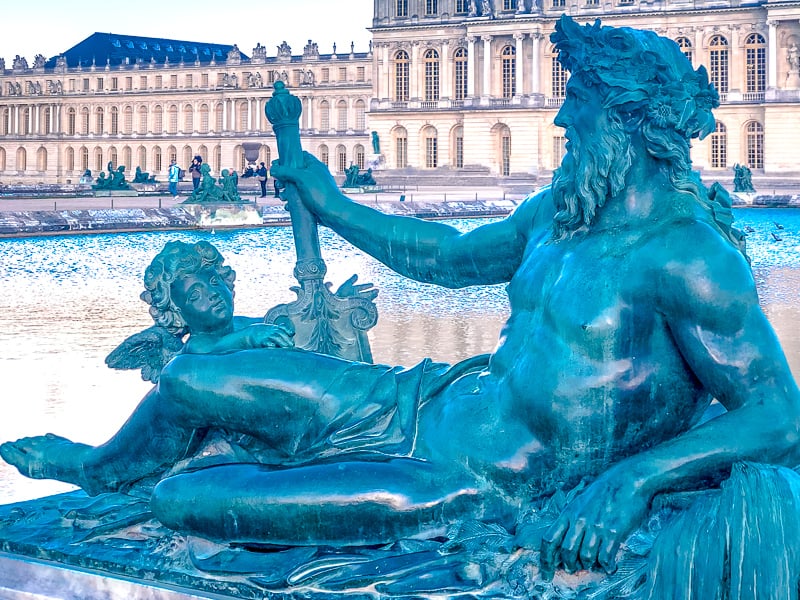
[586, 370]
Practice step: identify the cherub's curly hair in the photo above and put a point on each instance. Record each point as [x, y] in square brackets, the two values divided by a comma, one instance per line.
[177, 260]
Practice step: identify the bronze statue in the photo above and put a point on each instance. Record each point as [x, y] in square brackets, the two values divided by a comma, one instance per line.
[632, 306]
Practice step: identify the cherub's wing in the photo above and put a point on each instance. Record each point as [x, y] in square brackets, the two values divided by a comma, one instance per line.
[148, 350]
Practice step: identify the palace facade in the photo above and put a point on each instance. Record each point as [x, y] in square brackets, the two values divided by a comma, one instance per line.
[451, 87]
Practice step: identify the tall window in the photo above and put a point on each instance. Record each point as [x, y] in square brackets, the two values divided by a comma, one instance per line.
[158, 120]
[431, 60]
[114, 121]
[112, 156]
[84, 158]
[719, 147]
[755, 145]
[85, 121]
[99, 121]
[25, 121]
[127, 120]
[244, 116]
[157, 158]
[401, 148]
[5, 120]
[71, 119]
[431, 141]
[324, 115]
[98, 159]
[431, 7]
[558, 79]
[142, 120]
[341, 115]
[203, 118]
[70, 160]
[173, 119]
[685, 44]
[127, 156]
[462, 7]
[358, 153]
[505, 152]
[41, 159]
[323, 155]
[509, 63]
[22, 160]
[188, 118]
[142, 155]
[47, 117]
[401, 65]
[361, 119]
[559, 150]
[341, 158]
[559, 3]
[508, 4]
[458, 147]
[460, 66]
[401, 8]
[755, 49]
[218, 117]
[718, 57]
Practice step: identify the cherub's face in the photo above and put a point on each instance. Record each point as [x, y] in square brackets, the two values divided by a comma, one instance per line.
[205, 302]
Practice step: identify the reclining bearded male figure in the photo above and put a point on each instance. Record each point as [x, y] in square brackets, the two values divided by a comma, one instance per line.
[632, 306]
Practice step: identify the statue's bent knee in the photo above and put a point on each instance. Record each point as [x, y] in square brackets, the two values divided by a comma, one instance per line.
[174, 383]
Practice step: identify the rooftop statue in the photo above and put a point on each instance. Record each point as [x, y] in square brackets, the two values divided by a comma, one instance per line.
[632, 306]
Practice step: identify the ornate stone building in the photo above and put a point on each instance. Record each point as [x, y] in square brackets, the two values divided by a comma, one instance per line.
[453, 87]
[140, 101]
[464, 83]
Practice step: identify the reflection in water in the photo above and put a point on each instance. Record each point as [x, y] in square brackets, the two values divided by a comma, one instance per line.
[68, 301]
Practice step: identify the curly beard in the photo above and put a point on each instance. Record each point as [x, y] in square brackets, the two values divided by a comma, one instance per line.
[591, 172]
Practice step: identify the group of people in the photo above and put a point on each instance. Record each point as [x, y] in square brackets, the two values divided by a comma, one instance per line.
[176, 174]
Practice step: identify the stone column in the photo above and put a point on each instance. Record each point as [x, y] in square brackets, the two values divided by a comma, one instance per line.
[471, 66]
[536, 55]
[487, 65]
[772, 55]
[519, 84]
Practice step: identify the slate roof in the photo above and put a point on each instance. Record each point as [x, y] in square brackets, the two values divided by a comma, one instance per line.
[101, 48]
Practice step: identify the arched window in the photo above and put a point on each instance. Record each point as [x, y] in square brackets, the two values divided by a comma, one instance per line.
[72, 117]
[341, 158]
[341, 115]
[173, 119]
[172, 154]
[187, 157]
[718, 67]
[188, 119]
[142, 121]
[755, 49]
[202, 151]
[69, 159]
[458, 147]
[755, 145]
[218, 111]
[509, 68]
[685, 44]
[323, 155]
[203, 118]
[158, 120]
[361, 119]
[127, 158]
[112, 156]
[719, 147]
[324, 116]
[401, 147]
[2, 159]
[46, 114]
[22, 160]
[460, 73]
[431, 60]
[217, 164]
[157, 158]
[99, 120]
[98, 159]
[84, 121]
[41, 160]
[401, 69]
[358, 155]
[127, 120]
[558, 77]
[114, 130]
[25, 121]
[244, 116]
[142, 156]
[430, 140]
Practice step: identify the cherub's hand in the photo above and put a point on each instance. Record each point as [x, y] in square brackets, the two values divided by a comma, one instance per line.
[260, 335]
[349, 289]
[589, 531]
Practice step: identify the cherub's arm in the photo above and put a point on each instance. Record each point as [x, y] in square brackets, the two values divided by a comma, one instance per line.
[248, 333]
[709, 301]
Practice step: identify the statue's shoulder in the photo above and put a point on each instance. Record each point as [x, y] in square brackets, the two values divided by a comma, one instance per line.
[536, 209]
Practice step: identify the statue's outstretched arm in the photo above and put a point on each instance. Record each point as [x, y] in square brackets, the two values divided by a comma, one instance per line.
[709, 300]
[423, 250]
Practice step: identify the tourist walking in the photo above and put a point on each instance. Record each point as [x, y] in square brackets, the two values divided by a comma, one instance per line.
[194, 169]
[262, 175]
[174, 175]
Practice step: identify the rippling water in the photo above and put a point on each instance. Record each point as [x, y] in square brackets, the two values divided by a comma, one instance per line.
[68, 301]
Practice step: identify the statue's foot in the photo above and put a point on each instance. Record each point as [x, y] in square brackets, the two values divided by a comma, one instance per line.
[47, 457]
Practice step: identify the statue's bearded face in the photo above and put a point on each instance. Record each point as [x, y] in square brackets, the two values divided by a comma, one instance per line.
[597, 161]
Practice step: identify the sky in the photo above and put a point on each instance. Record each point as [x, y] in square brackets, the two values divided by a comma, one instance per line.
[49, 27]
